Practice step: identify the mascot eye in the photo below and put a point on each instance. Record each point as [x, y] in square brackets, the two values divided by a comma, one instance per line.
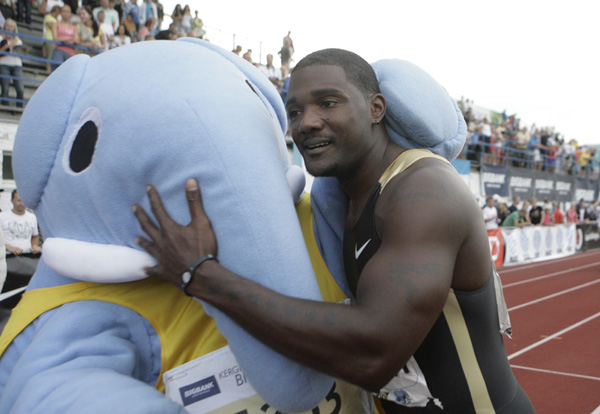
[83, 142]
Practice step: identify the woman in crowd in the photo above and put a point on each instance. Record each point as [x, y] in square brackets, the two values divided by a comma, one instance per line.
[122, 37]
[50, 21]
[186, 19]
[66, 32]
[11, 67]
[572, 213]
[177, 15]
[91, 34]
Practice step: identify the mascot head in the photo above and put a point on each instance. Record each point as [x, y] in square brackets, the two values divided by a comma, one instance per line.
[98, 131]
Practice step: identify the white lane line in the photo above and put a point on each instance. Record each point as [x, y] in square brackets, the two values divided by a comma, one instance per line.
[556, 372]
[597, 410]
[549, 338]
[562, 272]
[553, 295]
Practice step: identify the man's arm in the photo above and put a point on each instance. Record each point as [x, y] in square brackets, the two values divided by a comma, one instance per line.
[35, 245]
[401, 292]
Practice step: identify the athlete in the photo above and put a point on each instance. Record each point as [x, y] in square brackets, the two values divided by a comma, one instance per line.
[422, 333]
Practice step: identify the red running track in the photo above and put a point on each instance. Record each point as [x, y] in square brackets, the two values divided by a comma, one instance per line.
[554, 308]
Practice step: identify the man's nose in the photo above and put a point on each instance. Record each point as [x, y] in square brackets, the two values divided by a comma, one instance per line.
[311, 120]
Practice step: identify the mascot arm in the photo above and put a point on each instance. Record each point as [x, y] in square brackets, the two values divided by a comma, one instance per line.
[87, 357]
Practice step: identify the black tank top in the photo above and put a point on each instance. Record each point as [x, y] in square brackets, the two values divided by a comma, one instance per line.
[461, 366]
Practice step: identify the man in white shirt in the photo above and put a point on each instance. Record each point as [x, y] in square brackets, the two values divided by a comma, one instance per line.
[273, 73]
[21, 239]
[20, 228]
[111, 16]
[490, 214]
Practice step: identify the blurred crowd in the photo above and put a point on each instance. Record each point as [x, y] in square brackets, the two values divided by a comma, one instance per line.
[531, 213]
[502, 140]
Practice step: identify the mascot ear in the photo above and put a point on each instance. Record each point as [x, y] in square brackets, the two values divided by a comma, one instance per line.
[258, 79]
[420, 112]
[33, 158]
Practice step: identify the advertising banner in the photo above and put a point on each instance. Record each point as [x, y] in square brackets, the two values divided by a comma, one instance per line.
[544, 186]
[521, 183]
[494, 179]
[564, 188]
[537, 243]
[496, 246]
[584, 188]
[589, 234]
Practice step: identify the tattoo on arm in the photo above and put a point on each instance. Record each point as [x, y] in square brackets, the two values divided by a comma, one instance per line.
[405, 275]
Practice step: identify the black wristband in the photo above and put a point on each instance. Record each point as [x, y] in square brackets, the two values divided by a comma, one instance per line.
[188, 275]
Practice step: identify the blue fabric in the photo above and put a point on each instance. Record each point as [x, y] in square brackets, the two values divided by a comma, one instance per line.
[420, 113]
[219, 120]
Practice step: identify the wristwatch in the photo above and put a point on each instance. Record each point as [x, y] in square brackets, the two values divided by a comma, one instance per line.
[188, 274]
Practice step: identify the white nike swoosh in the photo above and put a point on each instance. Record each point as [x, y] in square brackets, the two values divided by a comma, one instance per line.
[358, 252]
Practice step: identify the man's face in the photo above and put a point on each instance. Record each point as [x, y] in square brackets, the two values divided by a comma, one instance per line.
[329, 119]
[18, 205]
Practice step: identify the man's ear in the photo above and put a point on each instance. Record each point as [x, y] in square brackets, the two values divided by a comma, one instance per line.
[378, 107]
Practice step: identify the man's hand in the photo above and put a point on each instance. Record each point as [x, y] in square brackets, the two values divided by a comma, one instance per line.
[14, 250]
[175, 246]
[35, 249]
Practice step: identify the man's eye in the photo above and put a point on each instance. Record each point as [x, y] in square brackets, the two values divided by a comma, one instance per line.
[293, 113]
[328, 104]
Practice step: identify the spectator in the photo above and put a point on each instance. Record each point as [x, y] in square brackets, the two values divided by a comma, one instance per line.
[2, 261]
[50, 21]
[24, 11]
[286, 52]
[490, 214]
[198, 26]
[516, 219]
[502, 213]
[90, 33]
[572, 213]
[147, 30]
[273, 73]
[515, 205]
[161, 15]
[486, 140]
[132, 9]
[522, 144]
[586, 213]
[237, 50]
[111, 16]
[122, 38]
[535, 212]
[132, 28]
[106, 28]
[7, 10]
[558, 216]
[148, 12]
[248, 56]
[585, 162]
[11, 67]
[186, 19]
[177, 14]
[547, 217]
[66, 32]
[22, 241]
[534, 149]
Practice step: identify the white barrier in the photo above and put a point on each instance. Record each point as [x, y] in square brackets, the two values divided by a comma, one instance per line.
[537, 243]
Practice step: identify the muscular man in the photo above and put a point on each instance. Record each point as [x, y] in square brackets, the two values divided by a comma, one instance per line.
[423, 331]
